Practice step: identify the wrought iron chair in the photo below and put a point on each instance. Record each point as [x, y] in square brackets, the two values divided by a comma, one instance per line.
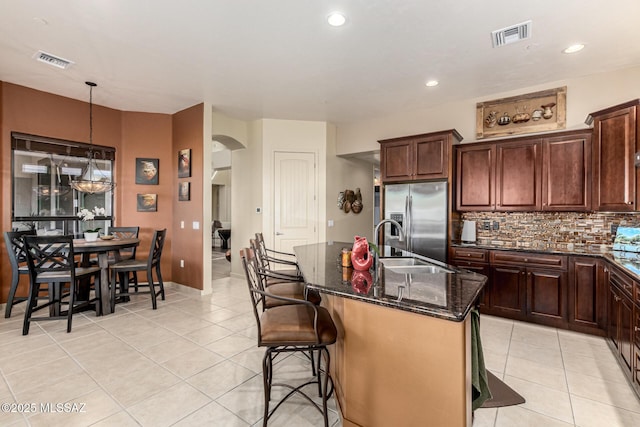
[51, 260]
[18, 260]
[297, 326]
[120, 272]
[279, 284]
[269, 259]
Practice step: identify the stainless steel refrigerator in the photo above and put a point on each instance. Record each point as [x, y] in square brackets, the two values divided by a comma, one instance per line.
[421, 209]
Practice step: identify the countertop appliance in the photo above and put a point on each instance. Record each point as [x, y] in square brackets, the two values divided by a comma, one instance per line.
[421, 209]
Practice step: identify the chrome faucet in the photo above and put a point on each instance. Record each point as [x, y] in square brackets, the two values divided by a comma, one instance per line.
[376, 236]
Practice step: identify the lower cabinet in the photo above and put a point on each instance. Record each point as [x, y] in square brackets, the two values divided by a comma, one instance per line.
[621, 316]
[528, 286]
[623, 324]
[475, 260]
[587, 307]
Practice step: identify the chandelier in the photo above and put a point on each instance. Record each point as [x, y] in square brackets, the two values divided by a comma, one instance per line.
[93, 179]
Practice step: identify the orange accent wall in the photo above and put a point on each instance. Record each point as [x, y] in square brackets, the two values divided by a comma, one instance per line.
[133, 135]
[146, 135]
[187, 245]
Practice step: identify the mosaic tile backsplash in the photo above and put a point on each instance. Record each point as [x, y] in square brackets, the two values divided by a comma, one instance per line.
[561, 230]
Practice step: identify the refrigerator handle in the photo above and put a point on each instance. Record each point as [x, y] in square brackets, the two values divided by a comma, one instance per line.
[407, 223]
[409, 231]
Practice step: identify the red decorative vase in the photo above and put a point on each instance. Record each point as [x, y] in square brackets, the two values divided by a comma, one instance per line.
[361, 281]
[360, 256]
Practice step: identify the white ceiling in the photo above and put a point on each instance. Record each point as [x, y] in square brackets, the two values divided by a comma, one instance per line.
[279, 59]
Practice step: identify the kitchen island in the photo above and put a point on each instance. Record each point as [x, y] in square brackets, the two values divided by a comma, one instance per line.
[403, 355]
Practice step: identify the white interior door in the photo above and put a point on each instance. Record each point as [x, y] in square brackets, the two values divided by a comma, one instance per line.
[295, 204]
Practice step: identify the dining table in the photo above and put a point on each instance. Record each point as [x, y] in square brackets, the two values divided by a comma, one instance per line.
[102, 248]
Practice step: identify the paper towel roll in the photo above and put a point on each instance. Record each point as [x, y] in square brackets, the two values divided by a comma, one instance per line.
[468, 232]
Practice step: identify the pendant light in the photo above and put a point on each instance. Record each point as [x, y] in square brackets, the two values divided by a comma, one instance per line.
[93, 179]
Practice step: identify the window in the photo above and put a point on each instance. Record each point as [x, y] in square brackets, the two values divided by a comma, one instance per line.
[41, 194]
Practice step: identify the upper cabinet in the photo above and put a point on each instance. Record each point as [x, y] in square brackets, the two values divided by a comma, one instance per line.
[418, 157]
[518, 177]
[566, 172]
[615, 131]
[549, 173]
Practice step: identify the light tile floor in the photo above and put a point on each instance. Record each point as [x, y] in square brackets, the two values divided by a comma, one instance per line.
[194, 361]
[567, 378]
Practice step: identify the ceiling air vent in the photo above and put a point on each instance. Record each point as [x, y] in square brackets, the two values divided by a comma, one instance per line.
[56, 61]
[511, 34]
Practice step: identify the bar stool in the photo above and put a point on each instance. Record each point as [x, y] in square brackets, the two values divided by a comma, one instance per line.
[268, 256]
[298, 326]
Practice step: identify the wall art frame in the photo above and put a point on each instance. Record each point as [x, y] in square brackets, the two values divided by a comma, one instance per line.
[184, 163]
[184, 191]
[529, 113]
[147, 202]
[147, 171]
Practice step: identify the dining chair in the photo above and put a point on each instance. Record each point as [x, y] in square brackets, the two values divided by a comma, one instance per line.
[126, 253]
[18, 261]
[120, 272]
[298, 326]
[51, 260]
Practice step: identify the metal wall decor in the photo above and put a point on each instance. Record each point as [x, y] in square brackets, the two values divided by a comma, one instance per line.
[350, 201]
[532, 112]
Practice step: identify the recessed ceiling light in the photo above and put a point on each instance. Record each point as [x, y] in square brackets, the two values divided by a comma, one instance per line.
[574, 48]
[336, 19]
[431, 83]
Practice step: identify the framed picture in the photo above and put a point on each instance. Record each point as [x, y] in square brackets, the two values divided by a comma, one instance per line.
[532, 112]
[184, 163]
[147, 202]
[184, 191]
[147, 171]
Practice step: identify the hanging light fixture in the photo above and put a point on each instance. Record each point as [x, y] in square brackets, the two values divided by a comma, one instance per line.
[93, 179]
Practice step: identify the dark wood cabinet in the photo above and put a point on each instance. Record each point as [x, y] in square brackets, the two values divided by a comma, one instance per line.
[528, 286]
[547, 296]
[518, 177]
[587, 309]
[636, 348]
[550, 173]
[475, 260]
[475, 177]
[566, 172]
[615, 131]
[508, 292]
[417, 157]
[621, 321]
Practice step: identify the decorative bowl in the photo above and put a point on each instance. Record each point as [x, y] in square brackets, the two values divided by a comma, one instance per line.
[107, 237]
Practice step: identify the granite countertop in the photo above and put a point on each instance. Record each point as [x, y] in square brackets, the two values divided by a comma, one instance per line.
[446, 295]
[627, 261]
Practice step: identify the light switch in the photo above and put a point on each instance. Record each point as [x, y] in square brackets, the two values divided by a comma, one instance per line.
[196, 225]
[330, 223]
[181, 224]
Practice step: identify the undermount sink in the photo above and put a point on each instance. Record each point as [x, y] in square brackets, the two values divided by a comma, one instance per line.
[411, 266]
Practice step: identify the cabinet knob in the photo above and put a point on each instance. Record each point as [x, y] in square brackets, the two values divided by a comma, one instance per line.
[617, 298]
[468, 254]
[629, 203]
[526, 260]
[636, 328]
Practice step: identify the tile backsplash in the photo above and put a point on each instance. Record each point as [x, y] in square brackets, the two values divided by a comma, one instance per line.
[562, 230]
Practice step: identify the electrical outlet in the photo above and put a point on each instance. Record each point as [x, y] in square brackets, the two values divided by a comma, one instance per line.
[496, 225]
[181, 263]
[614, 229]
[486, 225]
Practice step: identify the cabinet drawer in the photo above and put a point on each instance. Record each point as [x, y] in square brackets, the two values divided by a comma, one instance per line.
[469, 254]
[524, 259]
[622, 281]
